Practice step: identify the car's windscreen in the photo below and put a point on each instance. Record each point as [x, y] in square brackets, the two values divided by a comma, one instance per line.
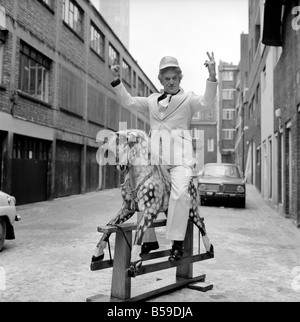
[221, 171]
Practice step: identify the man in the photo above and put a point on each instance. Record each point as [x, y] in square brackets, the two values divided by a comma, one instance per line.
[172, 112]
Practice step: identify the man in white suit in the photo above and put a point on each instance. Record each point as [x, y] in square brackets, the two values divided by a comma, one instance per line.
[171, 113]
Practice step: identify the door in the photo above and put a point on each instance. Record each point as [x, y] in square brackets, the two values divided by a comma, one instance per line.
[92, 170]
[30, 169]
[67, 169]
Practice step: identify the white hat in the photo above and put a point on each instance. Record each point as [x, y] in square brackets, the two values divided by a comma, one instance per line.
[168, 61]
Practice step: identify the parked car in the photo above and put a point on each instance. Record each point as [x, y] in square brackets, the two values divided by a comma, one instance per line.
[8, 216]
[222, 182]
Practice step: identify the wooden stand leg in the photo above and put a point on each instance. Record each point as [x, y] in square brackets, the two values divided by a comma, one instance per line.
[186, 270]
[121, 284]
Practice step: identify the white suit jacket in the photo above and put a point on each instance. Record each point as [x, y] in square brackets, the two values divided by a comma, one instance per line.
[175, 124]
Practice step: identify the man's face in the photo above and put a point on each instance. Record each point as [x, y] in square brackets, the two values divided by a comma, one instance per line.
[171, 82]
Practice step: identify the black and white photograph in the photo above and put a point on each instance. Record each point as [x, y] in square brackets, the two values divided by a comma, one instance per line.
[149, 154]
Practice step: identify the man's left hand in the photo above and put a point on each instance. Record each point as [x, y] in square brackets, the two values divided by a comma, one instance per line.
[211, 65]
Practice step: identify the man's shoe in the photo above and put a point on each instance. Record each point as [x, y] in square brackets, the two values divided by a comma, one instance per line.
[97, 259]
[176, 253]
[148, 247]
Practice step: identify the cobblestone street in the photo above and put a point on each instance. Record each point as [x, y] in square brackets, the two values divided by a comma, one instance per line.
[257, 253]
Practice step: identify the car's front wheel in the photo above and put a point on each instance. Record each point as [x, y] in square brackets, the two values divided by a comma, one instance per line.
[2, 232]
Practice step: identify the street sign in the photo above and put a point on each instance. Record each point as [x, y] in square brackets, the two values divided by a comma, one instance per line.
[2, 18]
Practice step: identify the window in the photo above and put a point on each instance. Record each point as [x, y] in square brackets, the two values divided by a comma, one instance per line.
[126, 72]
[228, 134]
[228, 114]
[49, 3]
[97, 41]
[196, 116]
[227, 76]
[72, 92]
[257, 35]
[210, 145]
[30, 148]
[73, 16]
[113, 56]
[34, 73]
[141, 87]
[134, 79]
[227, 94]
[195, 134]
[1, 60]
[141, 124]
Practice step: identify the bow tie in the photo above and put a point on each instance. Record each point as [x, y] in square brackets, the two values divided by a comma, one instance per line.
[164, 100]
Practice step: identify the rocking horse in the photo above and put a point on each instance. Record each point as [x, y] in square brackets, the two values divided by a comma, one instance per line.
[146, 189]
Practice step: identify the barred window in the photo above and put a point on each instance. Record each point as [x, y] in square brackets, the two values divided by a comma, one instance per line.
[34, 73]
[73, 16]
[228, 134]
[113, 55]
[126, 72]
[228, 114]
[210, 145]
[227, 94]
[97, 41]
[30, 148]
[227, 76]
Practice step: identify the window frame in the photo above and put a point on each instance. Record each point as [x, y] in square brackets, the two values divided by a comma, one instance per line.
[228, 73]
[126, 72]
[99, 48]
[49, 4]
[80, 16]
[113, 55]
[227, 114]
[228, 91]
[210, 145]
[43, 64]
[230, 135]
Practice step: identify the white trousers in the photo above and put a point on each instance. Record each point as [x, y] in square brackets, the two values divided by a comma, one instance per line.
[179, 203]
[179, 206]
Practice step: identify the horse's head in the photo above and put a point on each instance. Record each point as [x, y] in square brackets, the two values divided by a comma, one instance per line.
[133, 147]
[123, 148]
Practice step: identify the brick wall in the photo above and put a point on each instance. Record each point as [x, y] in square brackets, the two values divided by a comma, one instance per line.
[286, 97]
[43, 29]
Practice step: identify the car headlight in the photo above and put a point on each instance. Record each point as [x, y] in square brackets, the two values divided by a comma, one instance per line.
[202, 187]
[240, 189]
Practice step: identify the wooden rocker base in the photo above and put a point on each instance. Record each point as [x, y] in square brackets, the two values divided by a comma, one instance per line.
[121, 283]
[153, 290]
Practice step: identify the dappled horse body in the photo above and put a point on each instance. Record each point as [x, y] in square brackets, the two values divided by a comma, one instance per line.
[146, 189]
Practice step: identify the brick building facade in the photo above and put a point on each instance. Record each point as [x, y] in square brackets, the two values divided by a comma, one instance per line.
[227, 110]
[281, 29]
[55, 96]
